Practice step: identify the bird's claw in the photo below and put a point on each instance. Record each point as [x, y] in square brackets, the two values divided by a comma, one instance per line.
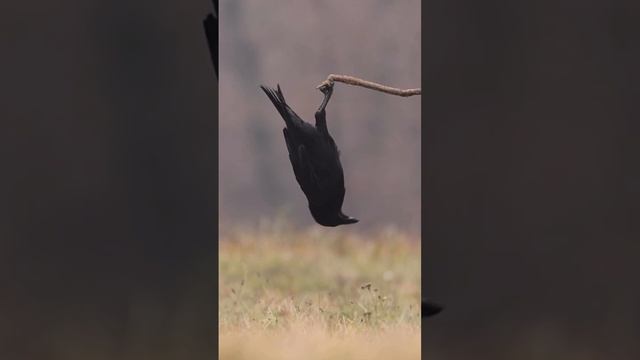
[326, 87]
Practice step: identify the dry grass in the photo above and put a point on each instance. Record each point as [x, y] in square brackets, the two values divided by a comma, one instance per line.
[318, 294]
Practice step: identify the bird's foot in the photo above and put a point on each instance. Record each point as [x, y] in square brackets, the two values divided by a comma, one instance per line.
[327, 90]
[326, 87]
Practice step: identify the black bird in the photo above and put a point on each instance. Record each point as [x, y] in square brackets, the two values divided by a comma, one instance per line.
[430, 309]
[315, 159]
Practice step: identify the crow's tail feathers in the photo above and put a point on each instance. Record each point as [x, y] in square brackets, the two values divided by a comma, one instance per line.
[278, 101]
[277, 98]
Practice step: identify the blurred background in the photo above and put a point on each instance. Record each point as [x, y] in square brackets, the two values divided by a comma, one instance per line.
[283, 277]
[531, 179]
[297, 44]
[108, 216]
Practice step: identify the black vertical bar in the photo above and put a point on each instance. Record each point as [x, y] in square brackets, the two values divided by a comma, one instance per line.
[211, 31]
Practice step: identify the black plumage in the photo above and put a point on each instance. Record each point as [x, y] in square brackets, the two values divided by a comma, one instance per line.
[315, 159]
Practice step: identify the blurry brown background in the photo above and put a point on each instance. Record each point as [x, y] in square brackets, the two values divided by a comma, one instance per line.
[297, 44]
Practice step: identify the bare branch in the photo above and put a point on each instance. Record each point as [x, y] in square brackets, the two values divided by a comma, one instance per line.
[351, 80]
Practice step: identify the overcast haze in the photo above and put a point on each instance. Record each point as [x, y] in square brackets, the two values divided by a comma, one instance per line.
[297, 44]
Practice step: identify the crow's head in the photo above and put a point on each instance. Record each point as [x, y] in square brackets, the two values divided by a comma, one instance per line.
[331, 218]
[345, 219]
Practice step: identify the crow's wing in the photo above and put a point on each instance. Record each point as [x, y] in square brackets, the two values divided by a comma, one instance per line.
[304, 169]
[332, 179]
[290, 145]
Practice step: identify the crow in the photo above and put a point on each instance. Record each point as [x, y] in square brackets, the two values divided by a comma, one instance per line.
[430, 309]
[315, 159]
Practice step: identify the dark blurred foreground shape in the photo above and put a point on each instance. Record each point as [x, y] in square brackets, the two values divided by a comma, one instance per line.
[531, 179]
[210, 24]
[108, 191]
[429, 308]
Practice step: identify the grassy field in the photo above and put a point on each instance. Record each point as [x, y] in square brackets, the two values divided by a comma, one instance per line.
[318, 294]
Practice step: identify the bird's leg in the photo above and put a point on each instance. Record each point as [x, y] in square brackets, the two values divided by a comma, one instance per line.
[321, 121]
[327, 90]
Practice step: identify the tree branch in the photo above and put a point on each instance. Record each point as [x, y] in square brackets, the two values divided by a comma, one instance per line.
[351, 80]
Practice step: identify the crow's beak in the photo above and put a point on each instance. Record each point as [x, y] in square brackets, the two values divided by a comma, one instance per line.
[348, 219]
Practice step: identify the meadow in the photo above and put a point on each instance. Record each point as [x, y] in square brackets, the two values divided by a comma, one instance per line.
[318, 294]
